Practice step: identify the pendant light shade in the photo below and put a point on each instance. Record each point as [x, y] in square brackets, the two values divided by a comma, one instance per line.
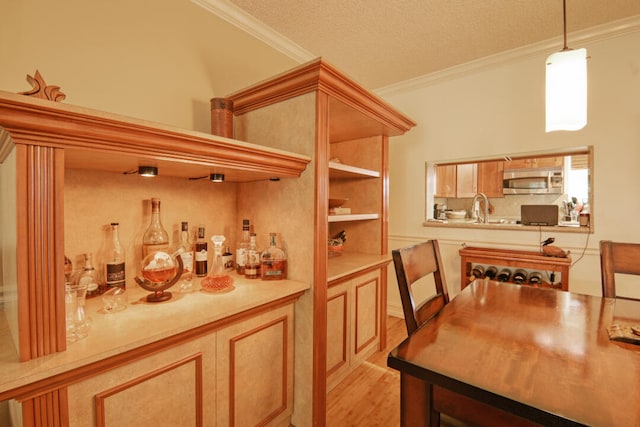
[566, 86]
[566, 96]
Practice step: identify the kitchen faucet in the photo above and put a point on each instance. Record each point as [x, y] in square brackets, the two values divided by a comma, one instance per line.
[485, 214]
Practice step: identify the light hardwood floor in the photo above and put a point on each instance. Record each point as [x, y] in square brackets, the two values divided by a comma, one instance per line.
[370, 395]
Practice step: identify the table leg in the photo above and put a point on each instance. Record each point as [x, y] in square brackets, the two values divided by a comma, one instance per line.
[416, 403]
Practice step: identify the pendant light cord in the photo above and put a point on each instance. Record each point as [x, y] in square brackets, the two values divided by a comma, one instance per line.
[564, 19]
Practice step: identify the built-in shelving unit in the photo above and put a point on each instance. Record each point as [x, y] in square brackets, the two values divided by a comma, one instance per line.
[342, 171]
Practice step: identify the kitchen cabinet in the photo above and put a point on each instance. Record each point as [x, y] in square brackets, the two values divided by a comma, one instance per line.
[534, 162]
[490, 177]
[43, 144]
[353, 334]
[446, 181]
[467, 180]
[322, 113]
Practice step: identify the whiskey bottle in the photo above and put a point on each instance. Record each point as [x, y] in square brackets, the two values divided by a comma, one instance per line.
[89, 278]
[201, 254]
[186, 280]
[227, 259]
[155, 237]
[242, 247]
[114, 262]
[273, 261]
[252, 259]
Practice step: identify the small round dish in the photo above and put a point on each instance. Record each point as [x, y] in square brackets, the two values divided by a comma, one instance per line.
[456, 214]
[336, 203]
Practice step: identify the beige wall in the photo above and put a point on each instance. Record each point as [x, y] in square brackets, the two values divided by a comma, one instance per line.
[160, 61]
[499, 110]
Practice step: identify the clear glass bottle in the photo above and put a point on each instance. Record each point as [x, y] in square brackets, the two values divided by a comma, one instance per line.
[218, 279]
[186, 280]
[155, 237]
[114, 261]
[88, 277]
[252, 259]
[273, 261]
[242, 247]
[201, 254]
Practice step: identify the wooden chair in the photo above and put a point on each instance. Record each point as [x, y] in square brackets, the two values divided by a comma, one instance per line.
[617, 257]
[412, 263]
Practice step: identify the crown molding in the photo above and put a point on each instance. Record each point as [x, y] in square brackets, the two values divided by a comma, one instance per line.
[238, 17]
[577, 39]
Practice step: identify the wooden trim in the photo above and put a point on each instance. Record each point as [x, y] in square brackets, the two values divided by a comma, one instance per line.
[45, 123]
[321, 228]
[75, 375]
[40, 181]
[373, 267]
[49, 409]
[232, 375]
[197, 358]
[318, 75]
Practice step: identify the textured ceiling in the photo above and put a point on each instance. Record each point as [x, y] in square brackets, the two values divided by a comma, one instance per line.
[382, 42]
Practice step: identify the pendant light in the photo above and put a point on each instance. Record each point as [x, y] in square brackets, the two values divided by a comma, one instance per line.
[566, 86]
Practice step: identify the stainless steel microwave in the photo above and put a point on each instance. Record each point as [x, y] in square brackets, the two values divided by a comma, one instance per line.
[533, 181]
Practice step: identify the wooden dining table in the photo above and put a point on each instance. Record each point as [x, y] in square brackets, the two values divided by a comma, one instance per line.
[542, 354]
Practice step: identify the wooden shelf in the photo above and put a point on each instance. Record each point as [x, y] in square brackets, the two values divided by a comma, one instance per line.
[353, 217]
[342, 171]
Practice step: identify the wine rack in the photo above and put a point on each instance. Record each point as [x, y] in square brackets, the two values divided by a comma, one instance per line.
[514, 259]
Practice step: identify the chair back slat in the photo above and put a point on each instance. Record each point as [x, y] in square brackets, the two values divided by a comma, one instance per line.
[617, 257]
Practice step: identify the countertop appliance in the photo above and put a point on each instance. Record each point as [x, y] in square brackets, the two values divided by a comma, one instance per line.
[533, 181]
[539, 214]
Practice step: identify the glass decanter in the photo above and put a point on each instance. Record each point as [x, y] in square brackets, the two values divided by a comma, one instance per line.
[218, 279]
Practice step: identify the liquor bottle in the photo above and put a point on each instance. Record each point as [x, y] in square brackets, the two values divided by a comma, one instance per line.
[519, 276]
[252, 259]
[242, 247]
[155, 237]
[227, 259]
[89, 278]
[114, 262]
[504, 275]
[273, 261]
[186, 280]
[491, 272]
[202, 253]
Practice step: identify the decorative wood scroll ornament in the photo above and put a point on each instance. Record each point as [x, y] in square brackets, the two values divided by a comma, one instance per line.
[41, 90]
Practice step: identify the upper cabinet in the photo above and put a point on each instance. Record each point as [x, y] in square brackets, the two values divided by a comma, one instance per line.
[465, 180]
[534, 162]
[490, 175]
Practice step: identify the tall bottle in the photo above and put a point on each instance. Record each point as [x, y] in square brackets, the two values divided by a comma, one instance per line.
[114, 262]
[89, 278]
[252, 259]
[155, 237]
[201, 254]
[186, 280]
[273, 261]
[242, 247]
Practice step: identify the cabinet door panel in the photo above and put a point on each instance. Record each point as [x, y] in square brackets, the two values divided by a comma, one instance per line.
[446, 181]
[490, 176]
[174, 387]
[467, 180]
[366, 315]
[255, 370]
[338, 339]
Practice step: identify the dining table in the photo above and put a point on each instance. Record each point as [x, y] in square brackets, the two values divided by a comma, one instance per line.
[542, 354]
